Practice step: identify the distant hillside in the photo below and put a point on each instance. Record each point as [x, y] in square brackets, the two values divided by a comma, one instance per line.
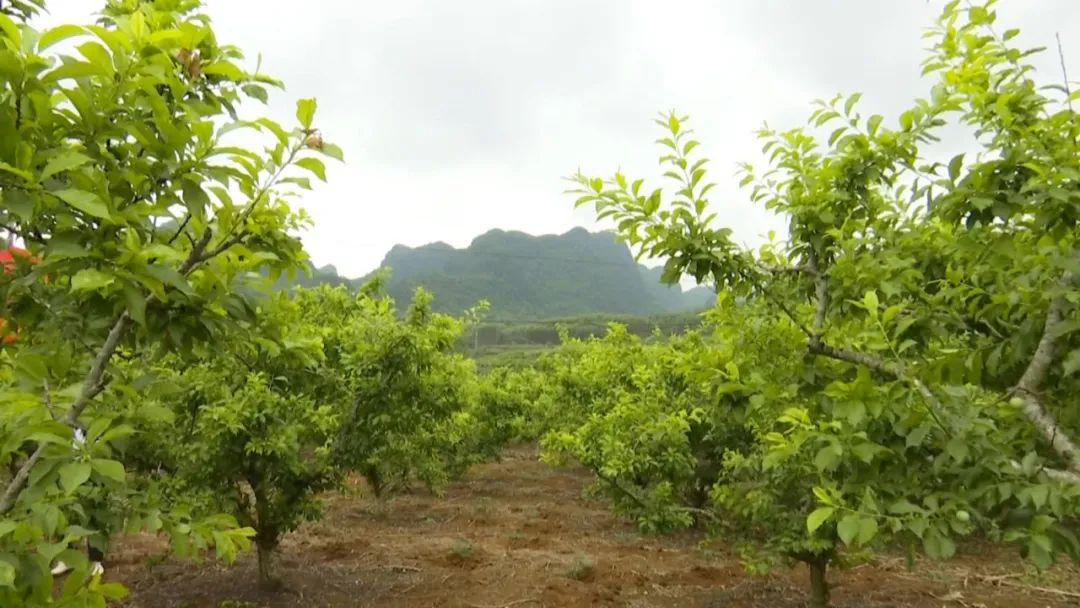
[531, 277]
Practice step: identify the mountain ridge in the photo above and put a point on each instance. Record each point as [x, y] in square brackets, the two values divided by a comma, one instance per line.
[527, 276]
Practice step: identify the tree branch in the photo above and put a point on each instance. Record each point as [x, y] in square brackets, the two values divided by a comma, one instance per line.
[93, 385]
[895, 370]
[179, 229]
[48, 400]
[786, 269]
[1055, 474]
[1031, 382]
[821, 293]
[95, 380]
[1064, 72]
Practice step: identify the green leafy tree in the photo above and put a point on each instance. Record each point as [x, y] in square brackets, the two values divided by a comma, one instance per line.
[246, 430]
[404, 396]
[933, 302]
[120, 173]
[651, 420]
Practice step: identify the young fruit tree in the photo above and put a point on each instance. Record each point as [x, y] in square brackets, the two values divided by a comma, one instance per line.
[404, 399]
[121, 174]
[930, 307]
[245, 431]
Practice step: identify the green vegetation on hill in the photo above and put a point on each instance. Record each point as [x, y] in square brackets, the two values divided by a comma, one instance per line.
[519, 344]
[528, 277]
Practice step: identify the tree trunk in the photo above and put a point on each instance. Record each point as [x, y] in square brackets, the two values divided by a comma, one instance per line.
[375, 480]
[819, 584]
[267, 579]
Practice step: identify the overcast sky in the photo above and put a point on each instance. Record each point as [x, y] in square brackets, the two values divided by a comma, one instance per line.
[458, 117]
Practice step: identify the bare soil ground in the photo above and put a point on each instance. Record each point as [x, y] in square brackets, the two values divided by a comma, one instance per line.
[518, 533]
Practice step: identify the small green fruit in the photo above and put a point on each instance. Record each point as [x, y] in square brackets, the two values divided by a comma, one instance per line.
[963, 516]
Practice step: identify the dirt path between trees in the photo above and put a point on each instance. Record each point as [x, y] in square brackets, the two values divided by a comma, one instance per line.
[518, 533]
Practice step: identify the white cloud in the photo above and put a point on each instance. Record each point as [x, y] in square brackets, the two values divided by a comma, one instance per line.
[458, 117]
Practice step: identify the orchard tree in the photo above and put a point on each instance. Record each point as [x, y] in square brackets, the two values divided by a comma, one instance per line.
[935, 303]
[246, 432]
[651, 421]
[120, 173]
[404, 397]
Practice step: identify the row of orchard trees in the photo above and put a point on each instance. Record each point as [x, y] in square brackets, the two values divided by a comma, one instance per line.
[901, 369]
[213, 411]
[317, 384]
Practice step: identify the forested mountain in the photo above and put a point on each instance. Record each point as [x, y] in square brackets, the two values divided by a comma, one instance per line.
[530, 277]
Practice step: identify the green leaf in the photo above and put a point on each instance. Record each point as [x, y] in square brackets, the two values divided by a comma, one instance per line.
[1040, 551]
[84, 201]
[1071, 363]
[870, 301]
[873, 123]
[891, 312]
[955, 165]
[113, 591]
[866, 451]
[73, 475]
[1065, 327]
[868, 529]
[938, 546]
[850, 104]
[61, 32]
[169, 276]
[848, 528]
[10, 30]
[817, 518]
[916, 435]
[305, 112]
[303, 182]
[907, 121]
[26, 175]
[195, 198]
[827, 457]
[821, 494]
[225, 69]
[333, 151]
[314, 165]
[7, 575]
[957, 448]
[1039, 495]
[255, 91]
[136, 304]
[673, 124]
[91, 279]
[109, 468]
[65, 161]
[117, 432]
[73, 69]
[97, 55]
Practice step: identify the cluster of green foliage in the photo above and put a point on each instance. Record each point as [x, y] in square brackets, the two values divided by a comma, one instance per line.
[901, 368]
[547, 332]
[118, 172]
[520, 344]
[406, 393]
[320, 383]
[215, 412]
[652, 421]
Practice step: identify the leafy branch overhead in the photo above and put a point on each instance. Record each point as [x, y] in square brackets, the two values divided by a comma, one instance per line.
[122, 174]
[934, 302]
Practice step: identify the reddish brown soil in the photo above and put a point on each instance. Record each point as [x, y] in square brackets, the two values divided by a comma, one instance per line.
[520, 534]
